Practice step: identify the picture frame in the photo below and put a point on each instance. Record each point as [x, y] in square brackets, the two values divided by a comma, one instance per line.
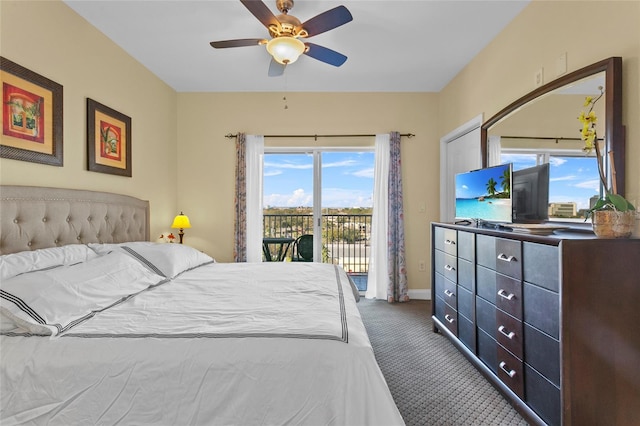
[31, 113]
[108, 140]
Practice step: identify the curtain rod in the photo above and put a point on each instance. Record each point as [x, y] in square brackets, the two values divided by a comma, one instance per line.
[547, 138]
[407, 135]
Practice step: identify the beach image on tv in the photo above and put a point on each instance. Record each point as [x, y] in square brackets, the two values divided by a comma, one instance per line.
[484, 194]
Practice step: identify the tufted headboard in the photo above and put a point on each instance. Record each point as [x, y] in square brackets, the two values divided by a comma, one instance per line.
[33, 217]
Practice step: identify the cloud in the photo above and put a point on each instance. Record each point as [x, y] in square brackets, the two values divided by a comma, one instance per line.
[555, 161]
[364, 173]
[273, 173]
[557, 179]
[589, 184]
[288, 166]
[343, 163]
[297, 198]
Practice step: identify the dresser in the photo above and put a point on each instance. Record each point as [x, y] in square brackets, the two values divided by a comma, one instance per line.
[553, 322]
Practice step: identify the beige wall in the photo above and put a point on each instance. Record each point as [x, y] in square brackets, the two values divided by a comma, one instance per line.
[206, 158]
[187, 163]
[587, 31]
[50, 39]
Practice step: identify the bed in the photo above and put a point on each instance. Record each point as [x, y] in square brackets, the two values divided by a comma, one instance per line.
[101, 326]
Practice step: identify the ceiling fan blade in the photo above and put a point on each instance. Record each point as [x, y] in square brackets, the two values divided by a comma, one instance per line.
[276, 69]
[262, 12]
[237, 43]
[324, 54]
[327, 21]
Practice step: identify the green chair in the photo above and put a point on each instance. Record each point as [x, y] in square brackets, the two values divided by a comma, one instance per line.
[303, 249]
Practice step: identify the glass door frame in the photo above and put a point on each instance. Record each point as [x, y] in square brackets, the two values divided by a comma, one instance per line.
[316, 152]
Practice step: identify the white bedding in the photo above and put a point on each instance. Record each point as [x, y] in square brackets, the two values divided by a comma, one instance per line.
[228, 344]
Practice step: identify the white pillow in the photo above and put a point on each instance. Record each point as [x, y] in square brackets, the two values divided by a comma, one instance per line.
[54, 300]
[163, 258]
[27, 261]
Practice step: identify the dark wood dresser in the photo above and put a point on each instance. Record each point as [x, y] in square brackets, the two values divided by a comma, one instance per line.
[553, 322]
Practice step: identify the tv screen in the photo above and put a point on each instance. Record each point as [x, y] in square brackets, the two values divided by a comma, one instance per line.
[531, 194]
[485, 194]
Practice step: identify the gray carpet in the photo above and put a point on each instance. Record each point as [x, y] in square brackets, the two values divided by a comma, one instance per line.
[431, 382]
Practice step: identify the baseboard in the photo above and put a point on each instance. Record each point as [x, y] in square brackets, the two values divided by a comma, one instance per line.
[413, 294]
[420, 294]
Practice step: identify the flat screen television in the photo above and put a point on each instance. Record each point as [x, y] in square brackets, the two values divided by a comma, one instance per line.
[485, 194]
[530, 194]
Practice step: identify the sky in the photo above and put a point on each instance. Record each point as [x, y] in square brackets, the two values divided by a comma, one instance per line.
[347, 179]
[473, 185]
[571, 178]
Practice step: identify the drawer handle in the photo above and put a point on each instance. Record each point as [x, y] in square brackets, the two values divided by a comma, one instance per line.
[503, 366]
[450, 242]
[504, 294]
[509, 335]
[449, 293]
[449, 268]
[506, 258]
[449, 319]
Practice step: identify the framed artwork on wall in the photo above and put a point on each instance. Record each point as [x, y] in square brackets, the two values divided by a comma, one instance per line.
[31, 116]
[108, 140]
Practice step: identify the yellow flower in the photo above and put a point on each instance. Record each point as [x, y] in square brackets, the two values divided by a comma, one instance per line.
[588, 100]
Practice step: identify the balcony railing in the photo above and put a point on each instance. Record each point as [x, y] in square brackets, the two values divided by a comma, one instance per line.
[345, 237]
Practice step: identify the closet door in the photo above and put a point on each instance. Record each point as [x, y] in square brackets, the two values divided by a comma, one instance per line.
[460, 152]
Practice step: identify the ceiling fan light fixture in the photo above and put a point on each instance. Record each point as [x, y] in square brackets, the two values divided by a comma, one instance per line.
[285, 49]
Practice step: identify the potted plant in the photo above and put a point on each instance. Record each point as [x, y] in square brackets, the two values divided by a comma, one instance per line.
[612, 216]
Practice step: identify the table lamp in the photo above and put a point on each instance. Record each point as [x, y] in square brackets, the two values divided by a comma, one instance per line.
[181, 221]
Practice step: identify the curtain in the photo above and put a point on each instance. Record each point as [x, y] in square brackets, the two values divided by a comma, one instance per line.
[387, 268]
[240, 220]
[397, 289]
[493, 149]
[378, 276]
[248, 198]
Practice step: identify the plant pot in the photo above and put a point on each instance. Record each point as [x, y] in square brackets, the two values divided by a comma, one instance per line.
[613, 224]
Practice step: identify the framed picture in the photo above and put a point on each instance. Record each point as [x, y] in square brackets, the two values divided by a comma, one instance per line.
[108, 140]
[31, 116]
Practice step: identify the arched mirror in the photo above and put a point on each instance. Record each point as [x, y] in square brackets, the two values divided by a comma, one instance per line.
[542, 127]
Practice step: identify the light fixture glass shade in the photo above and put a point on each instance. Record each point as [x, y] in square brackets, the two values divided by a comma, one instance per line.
[285, 49]
[181, 221]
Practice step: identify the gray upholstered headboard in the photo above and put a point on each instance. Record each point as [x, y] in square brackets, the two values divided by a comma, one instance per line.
[33, 217]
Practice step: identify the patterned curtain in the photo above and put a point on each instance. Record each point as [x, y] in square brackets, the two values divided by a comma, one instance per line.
[397, 289]
[240, 225]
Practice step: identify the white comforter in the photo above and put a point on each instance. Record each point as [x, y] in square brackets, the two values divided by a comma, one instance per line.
[222, 344]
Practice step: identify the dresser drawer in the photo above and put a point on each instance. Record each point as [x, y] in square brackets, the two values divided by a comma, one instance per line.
[465, 302]
[446, 290]
[509, 333]
[542, 396]
[486, 316]
[486, 283]
[510, 371]
[541, 265]
[466, 274]
[509, 295]
[486, 251]
[509, 257]
[467, 333]
[467, 246]
[542, 353]
[439, 308]
[451, 319]
[446, 265]
[541, 309]
[446, 240]
[487, 351]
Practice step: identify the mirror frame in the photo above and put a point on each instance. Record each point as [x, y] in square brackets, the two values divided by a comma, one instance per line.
[614, 130]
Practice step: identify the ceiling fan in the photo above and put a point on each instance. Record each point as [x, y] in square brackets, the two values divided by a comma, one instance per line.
[286, 31]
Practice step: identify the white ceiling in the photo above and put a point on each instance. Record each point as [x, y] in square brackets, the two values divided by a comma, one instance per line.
[391, 45]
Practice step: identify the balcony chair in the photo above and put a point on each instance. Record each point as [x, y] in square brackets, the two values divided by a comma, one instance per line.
[303, 249]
